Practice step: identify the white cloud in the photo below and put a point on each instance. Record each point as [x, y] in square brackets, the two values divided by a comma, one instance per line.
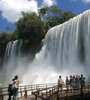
[86, 1]
[48, 2]
[11, 9]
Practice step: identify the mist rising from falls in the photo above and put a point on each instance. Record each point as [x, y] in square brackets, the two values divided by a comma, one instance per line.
[65, 51]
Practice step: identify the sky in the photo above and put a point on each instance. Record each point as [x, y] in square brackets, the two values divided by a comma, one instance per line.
[10, 10]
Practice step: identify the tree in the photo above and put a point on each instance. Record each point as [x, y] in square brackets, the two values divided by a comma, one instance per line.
[54, 16]
[30, 28]
[33, 27]
[3, 42]
[7, 28]
[67, 15]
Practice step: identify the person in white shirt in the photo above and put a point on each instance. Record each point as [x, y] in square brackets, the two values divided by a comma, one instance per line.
[60, 84]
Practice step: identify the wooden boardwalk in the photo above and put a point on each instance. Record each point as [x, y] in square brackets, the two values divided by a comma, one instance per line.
[25, 91]
[54, 93]
[47, 91]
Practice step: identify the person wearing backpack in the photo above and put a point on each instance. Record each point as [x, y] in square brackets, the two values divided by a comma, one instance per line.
[10, 91]
[82, 82]
[15, 87]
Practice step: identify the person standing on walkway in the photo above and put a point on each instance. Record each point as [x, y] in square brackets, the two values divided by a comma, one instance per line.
[82, 82]
[15, 87]
[60, 84]
[67, 83]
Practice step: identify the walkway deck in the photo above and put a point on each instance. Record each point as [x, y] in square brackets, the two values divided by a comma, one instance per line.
[45, 92]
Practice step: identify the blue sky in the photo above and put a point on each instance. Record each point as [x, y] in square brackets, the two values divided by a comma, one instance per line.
[10, 11]
[4, 23]
[76, 6]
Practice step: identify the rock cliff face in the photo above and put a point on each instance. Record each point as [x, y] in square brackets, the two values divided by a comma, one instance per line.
[2, 51]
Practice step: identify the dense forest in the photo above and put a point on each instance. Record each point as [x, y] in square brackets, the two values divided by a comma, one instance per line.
[32, 28]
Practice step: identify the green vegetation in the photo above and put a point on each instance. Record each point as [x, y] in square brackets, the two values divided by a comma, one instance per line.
[32, 27]
[3, 41]
[54, 16]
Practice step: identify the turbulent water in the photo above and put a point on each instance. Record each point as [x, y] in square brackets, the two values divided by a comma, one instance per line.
[65, 51]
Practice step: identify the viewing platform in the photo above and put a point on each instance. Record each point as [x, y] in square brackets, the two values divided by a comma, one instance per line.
[48, 91]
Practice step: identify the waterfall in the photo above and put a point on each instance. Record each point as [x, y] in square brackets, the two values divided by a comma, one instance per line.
[65, 51]
[12, 52]
[11, 59]
[68, 44]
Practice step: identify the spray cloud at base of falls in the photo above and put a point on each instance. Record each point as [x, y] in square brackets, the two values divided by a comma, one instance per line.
[65, 51]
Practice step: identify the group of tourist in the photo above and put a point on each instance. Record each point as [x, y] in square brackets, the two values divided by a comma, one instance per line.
[71, 82]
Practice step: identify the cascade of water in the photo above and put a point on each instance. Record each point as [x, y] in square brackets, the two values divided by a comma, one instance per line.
[65, 50]
[11, 58]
